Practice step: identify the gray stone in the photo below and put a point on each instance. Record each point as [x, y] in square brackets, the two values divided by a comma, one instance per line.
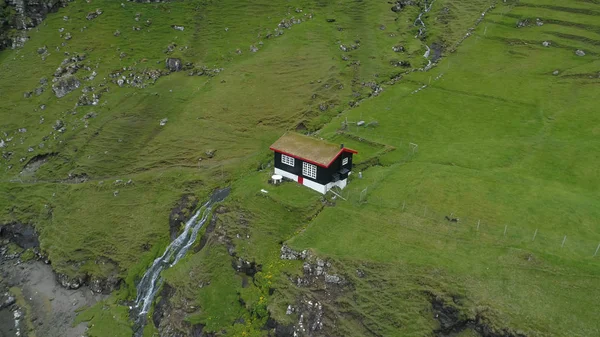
[65, 85]
[398, 49]
[555, 73]
[94, 14]
[210, 153]
[58, 125]
[546, 44]
[579, 52]
[163, 121]
[68, 282]
[9, 300]
[332, 279]
[179, 28]
[173, 64]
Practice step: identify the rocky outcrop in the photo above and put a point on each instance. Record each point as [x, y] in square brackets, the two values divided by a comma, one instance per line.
[181, 213]
[18, 16]
[70, 282]
[65, 85]
[173, 64]
[23, 235]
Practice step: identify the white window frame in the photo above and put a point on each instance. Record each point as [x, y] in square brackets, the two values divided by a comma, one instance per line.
[290, 161]
[345, 161]
[309, 170]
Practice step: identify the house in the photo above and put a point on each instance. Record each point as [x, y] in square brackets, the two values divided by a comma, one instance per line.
[312, 162]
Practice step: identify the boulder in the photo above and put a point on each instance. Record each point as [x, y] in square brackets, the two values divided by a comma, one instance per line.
[210, 153]
[94, 14]
[65, 85]
[58, 125]
[174, 64]
[546, 44]
[579, 52]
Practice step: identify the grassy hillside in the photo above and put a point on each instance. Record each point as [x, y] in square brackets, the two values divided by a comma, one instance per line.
[506, 132]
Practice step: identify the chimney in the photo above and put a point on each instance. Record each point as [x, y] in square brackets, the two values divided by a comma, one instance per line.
[341, 146]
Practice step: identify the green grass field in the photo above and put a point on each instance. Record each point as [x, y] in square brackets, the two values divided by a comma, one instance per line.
[502, 142]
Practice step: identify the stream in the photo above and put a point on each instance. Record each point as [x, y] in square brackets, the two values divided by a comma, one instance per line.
[152, 280]
[422, 29]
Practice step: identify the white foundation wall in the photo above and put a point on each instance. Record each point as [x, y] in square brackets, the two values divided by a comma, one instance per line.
[286, 174]
[323, 189]
[315, 186]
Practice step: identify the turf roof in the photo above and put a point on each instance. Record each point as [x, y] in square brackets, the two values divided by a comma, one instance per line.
[311, 149]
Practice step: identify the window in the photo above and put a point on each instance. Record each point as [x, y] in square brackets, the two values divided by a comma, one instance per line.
[309, 170]
[287, 160]
[345, 161]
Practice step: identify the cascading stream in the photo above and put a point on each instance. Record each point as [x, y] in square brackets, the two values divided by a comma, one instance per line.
[152, 280]
[422, 29]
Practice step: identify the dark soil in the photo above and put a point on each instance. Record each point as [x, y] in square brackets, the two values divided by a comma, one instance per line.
[36, 162]
[159, 308]
[453, 322]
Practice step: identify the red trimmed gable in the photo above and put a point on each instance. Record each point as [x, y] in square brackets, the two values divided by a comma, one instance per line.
[345, 149]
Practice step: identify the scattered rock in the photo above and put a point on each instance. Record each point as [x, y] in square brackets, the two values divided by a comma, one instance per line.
[249, 268]
[539, 22]
[253, 49]
[523, 23]
[289, 254]
[70, 283]
[555, 73]
[579, 52]
[117, 33]
[163, 121]
[89, 115]
[400, 4]
[210, 153]
[398, 49]
[546, 44]
[179, 28]
[94, 14]
[42, 50]
[58, 125]
[333, 279]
